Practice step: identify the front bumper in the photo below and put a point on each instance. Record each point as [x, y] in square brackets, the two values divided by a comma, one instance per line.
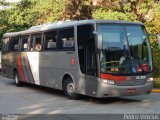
[106, 90]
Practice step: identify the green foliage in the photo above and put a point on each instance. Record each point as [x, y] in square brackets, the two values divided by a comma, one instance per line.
[16, 17]
[156, 83]
[156, 62]
[49, 11]
[4, 3]
[114, 15]
[21, 16]
[27, 13]
[76, 10]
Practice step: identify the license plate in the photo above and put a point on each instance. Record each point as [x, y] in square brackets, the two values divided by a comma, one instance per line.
[131, 90]
[140, 77]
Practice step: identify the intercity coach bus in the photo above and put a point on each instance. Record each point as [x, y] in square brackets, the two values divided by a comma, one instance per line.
[98, 58]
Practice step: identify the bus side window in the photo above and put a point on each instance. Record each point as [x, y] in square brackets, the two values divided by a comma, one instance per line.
[24, 45]
[13, 44]
[5, 44]
[50, 39]
[35, 43]
[66, 39]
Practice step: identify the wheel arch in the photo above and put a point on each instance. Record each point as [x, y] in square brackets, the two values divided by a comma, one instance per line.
[65, 76]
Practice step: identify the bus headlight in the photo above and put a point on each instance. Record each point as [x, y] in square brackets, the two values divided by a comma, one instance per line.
[150, 79]
[111, 82]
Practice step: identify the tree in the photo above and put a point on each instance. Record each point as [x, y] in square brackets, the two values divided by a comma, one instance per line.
[4, 16]
[137, 8]
[77, 10]
[49, 11]
[21, 15]
[4, 3]
[26, 13]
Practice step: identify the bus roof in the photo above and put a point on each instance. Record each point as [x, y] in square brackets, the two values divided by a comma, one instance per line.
[61, 24]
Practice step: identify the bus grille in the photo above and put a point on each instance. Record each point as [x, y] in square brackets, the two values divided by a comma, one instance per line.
[130, 82]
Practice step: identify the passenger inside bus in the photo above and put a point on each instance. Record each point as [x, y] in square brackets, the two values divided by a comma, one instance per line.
[123, 59]
[38, 47]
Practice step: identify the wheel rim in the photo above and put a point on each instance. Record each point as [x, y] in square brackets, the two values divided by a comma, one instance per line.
[16, 79]
[70, 88]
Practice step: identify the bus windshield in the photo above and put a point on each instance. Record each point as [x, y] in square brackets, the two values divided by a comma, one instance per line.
[126, 49]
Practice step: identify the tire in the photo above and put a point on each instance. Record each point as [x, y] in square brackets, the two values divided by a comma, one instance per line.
[17, 81]
[68, 88]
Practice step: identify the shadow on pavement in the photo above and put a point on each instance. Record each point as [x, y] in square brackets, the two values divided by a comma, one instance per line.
[51, 91]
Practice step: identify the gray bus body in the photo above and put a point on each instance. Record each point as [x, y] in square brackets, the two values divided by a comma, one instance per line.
[76, 58]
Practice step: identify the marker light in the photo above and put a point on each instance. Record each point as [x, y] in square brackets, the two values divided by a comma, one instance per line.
[73, 60]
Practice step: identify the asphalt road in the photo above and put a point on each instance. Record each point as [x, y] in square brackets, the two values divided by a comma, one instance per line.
[31, 99]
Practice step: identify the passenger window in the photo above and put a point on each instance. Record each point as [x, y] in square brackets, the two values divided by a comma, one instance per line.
[35, 43]
[5, 44]
[13, 44]
[50, 40]
[24, 46]
[66, 38]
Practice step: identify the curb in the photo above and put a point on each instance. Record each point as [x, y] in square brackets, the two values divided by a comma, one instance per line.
[156, 90]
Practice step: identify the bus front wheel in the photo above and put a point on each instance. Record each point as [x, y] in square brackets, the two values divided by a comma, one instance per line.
[17, 79]
[69, 89]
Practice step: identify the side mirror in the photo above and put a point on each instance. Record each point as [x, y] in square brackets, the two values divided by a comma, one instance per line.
[98, 40]
[158, 36]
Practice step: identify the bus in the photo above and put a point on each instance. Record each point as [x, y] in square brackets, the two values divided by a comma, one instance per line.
[98, 58]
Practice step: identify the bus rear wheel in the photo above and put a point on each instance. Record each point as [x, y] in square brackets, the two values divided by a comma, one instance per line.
[17, 81]
[69, 89]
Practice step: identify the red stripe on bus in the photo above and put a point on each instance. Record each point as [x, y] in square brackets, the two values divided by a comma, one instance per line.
[111, 77]
[20, 68]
